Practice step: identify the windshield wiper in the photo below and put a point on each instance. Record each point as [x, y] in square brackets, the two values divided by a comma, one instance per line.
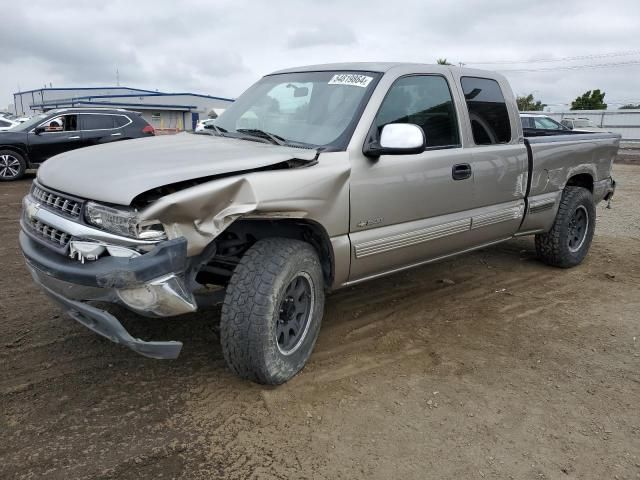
[218, 130]
[256, 132]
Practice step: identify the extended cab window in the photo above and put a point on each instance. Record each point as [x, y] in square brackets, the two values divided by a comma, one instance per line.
[487, 111]
[97, 122]
[424, 100]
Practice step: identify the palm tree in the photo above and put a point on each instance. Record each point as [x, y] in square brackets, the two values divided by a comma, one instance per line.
[443, 61]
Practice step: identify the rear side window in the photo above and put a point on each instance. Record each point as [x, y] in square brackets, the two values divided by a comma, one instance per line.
[4, 124]
[424, 100]
[119, 121]
[97, 122]
[487, 111]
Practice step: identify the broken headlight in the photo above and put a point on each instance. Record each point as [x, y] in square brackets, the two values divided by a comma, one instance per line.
[123, 222]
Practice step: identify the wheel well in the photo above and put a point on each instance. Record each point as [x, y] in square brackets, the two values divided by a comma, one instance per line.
[581, 180]
[243, 233]
[17, 150]
[13, 148]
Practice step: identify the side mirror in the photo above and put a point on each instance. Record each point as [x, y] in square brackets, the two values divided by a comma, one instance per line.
[38, 130]
[397, 139]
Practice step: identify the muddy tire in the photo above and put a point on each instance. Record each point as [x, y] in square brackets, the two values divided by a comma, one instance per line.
[568, 241]
[272, 310]
[12, 166]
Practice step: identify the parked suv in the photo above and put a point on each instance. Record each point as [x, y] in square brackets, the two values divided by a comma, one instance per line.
[29, 144]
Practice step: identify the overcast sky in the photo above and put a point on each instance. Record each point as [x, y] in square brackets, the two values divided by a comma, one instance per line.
[221, 47]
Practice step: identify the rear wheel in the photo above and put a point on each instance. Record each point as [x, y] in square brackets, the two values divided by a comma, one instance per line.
[272, 310]
[568, 241]
[12, 165]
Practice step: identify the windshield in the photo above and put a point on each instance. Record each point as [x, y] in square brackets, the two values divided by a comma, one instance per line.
[29, 124]
[547, 123]
[315, 109]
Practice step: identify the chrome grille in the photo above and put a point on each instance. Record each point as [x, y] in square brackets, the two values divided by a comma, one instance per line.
[49, 233]
[55, 201]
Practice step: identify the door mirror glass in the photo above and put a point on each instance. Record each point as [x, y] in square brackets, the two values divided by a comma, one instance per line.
[398, 139]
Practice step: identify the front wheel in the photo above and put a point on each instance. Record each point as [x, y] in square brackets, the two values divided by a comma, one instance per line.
[12, 165]
[568, 241]
[272, 310]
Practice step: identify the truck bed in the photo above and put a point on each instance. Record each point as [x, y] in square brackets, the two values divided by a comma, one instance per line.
[584, 157]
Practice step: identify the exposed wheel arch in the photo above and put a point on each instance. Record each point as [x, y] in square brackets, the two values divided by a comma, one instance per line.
[584, 180]
[244, 232]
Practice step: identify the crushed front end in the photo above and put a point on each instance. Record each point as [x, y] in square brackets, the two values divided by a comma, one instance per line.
[80, 252]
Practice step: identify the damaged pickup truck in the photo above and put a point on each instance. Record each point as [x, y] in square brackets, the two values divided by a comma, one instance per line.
[315, 178]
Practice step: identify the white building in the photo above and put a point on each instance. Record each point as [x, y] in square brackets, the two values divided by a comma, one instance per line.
[165, 111]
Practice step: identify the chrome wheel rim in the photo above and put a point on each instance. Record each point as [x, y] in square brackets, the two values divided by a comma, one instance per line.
[578, 227]
[9, 166]
[294, 314]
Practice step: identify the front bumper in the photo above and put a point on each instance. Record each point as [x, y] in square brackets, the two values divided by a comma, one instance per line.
[152, 284]
[604, 189]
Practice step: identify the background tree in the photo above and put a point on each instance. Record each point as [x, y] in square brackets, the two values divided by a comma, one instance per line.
[590, 100]
[630, 106]
[443, 61]
[529, 104]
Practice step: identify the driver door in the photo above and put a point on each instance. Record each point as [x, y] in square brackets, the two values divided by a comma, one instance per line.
[407, 209]
[61, 134]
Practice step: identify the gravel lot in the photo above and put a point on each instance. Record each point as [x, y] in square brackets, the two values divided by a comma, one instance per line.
[514, 370]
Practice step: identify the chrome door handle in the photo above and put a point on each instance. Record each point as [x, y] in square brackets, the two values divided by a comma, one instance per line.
[77, 137]
[116, 134]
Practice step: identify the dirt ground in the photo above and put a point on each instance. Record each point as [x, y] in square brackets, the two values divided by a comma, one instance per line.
[516, 370]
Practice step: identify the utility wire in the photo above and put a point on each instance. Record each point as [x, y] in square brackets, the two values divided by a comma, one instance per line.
[571, 67]
[551, 60]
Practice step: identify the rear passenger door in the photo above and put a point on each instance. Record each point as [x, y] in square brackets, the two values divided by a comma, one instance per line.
[500, 163]
[98, 128]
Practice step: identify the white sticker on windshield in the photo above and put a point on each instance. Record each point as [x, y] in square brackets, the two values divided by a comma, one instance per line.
[351, 79]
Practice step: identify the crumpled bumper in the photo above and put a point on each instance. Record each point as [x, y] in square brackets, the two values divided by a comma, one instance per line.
[604, 189]
[152, 284]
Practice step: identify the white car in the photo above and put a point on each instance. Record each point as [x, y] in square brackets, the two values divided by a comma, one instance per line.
[200, 126]
[6, 124]
[581, 124]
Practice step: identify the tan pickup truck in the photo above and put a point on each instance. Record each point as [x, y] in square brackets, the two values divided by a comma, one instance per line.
[315, 178]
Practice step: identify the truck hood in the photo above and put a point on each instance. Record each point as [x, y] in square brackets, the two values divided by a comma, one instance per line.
[118, 172]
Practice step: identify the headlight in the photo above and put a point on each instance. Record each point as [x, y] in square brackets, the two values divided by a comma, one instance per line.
[123, 222]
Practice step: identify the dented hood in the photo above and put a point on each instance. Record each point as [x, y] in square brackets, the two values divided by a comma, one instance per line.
[118, 172]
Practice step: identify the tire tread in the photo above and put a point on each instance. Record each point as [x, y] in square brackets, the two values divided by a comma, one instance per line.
[550, 246]
[248, 307]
